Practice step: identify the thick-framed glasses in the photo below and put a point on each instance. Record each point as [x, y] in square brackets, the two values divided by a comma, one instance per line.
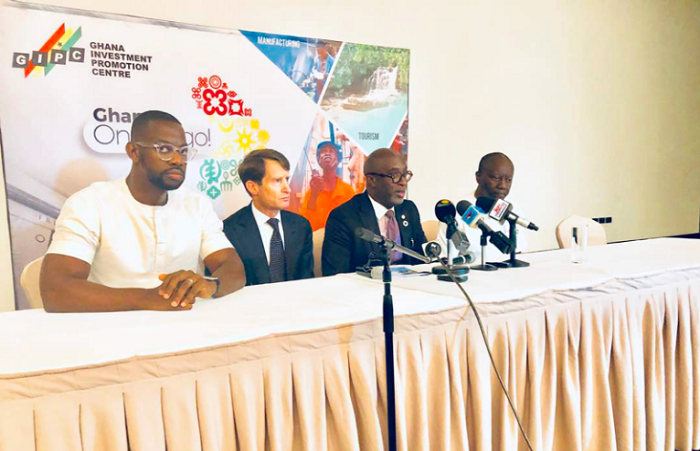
[394, 176]
[166, 152]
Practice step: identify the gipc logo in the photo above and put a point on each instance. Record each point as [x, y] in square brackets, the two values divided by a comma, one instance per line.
[59, 49]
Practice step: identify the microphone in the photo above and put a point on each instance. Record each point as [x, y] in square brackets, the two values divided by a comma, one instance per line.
[474, 217]
[467, 258]
[388, 244]
[372, 237]
[500, 210]
[445, 212]
[432, 249]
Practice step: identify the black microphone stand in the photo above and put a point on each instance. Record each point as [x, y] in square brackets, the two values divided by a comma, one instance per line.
[484, 266]
[388, 322]
[386, 246]
[512, 262]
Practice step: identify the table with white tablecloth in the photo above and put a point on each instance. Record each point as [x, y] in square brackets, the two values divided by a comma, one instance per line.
[600, 355]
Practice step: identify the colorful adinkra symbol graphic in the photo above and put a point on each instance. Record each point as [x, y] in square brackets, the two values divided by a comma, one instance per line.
[214, 97]
[240, 134]
[213, 171]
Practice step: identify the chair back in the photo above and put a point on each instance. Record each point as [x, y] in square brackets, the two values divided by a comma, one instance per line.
[596, 232]
[431, 227]
[29, 280]
[318, 244]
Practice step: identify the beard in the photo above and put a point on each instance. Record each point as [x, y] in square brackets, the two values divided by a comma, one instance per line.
[160, 180]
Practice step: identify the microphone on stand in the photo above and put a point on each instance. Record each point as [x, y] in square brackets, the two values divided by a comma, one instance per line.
[474, 218]
[501, 210]
[432, 249]
[388, 244]
[445, 212]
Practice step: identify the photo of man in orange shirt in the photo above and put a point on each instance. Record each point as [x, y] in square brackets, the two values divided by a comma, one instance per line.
[326, 191]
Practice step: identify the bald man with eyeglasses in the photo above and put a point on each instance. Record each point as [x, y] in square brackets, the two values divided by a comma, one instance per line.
[136, 243]
[382, 208]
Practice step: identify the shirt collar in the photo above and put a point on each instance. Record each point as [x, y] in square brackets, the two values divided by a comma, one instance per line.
[260, 217]
[172, 195]
[379, 209]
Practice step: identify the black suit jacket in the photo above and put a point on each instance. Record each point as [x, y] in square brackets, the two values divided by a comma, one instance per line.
[242, 231]
[343, 251]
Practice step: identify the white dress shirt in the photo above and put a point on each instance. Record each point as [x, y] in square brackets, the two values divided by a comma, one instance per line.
[129, 244]
[380, 210]
[266, 229]
[491, 252]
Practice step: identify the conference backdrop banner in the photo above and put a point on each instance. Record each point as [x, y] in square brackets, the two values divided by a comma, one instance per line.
[74, 82]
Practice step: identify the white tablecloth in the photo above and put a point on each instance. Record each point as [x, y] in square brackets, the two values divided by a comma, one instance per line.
[602, 355]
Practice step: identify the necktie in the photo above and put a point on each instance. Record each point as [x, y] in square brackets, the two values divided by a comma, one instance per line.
[393, 233]
[278, 264]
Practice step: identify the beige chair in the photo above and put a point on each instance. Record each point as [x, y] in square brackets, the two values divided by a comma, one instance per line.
[318, 244]
[30, 283]
[431, 228]
[596, 232]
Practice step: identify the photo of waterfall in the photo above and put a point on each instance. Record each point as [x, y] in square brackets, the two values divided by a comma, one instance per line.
[367, 94]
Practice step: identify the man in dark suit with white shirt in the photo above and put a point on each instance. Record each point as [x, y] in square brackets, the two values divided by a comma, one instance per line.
[275, 245]
[381, 209]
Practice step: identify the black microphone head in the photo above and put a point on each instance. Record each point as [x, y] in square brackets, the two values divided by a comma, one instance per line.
[445, 211]
[433, 249]
[502, 243]
[485, 203]
[463, 206]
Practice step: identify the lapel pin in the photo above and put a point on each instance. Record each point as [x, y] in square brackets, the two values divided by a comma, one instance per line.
[405, 223]
[403, 216]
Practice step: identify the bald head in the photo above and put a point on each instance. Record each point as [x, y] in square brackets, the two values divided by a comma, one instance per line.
[378, 159]
[495, 176]
[379, 167]
[495, 158]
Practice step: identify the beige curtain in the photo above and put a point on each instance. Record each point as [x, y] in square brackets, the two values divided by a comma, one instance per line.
[616, 366]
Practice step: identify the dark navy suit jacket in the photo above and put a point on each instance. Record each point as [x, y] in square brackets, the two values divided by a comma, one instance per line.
[242, 231]
[343, 251]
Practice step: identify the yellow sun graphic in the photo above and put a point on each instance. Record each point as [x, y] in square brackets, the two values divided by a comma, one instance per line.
[263, 138]
[244, 141]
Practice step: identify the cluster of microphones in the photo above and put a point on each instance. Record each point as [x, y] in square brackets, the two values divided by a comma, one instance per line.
[474, 216]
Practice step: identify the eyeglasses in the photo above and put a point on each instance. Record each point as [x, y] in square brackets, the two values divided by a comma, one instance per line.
[166, 152]
[395, 176]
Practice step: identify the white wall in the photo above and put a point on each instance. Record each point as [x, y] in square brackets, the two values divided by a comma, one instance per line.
[7, 291]
[597, 102]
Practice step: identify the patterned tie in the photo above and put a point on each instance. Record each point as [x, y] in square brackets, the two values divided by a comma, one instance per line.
[278, 263]
[393, 233]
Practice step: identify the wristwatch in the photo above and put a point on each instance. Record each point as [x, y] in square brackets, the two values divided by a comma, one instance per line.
[218, 284]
